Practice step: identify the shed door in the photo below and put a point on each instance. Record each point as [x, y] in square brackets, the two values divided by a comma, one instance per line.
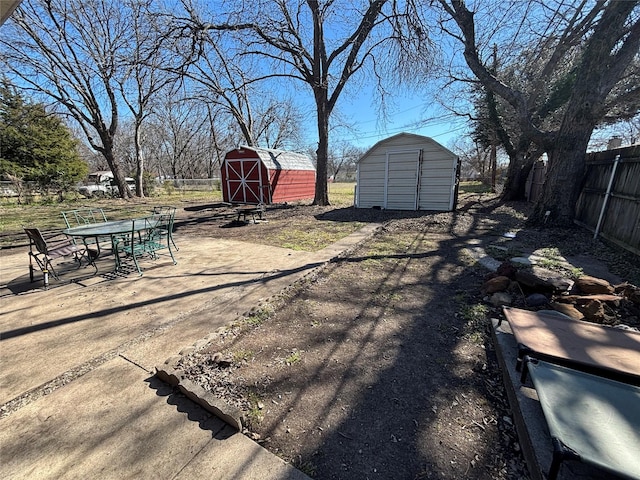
[244, 180]
[401, 184]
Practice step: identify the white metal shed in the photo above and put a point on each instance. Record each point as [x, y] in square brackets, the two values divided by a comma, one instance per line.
[407, 172]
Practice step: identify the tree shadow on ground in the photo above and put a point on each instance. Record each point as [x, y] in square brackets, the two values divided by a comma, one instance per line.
[392, 377]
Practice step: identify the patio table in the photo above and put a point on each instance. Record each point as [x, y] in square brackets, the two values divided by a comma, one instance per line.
[110, 229]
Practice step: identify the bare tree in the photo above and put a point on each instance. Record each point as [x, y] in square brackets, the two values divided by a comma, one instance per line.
[277, 124]
[223, 81]
[67, 50]
[179, 137]
[604, 41]
[474, 158]
[322, 44]
[627, 131]
[144, 75]
[220, 75]
[343, 160]
[220, 140]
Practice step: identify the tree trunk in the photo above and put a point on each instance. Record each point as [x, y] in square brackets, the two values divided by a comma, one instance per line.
[139, 162]
[563, 182]
[605, 55]
[520, 164]
[322, 193]
[517, 173]
[118, 176]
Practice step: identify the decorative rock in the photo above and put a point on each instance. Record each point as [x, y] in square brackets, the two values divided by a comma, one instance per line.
[537, 300]
[584, 299]
[589, 285]
[623, 288]
[630, 292]
[497, 284]
[524, 261]
[506, 269]
[568, 310]
[594, 311]
[501, 298]
[527, 278]
[560, 284]
[542, 279]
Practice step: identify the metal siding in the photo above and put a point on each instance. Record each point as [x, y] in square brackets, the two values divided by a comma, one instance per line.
[254, 175]
[438, 181]
[436, 178]
[371, 182]
[402, 180]
[283, 160]
[293, 185]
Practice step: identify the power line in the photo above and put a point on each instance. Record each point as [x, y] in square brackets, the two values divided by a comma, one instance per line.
[413, 127]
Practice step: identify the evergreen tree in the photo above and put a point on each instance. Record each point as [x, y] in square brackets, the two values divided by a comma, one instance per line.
[35, 145]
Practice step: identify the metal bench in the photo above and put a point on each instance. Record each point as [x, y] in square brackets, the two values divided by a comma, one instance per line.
[253, 210]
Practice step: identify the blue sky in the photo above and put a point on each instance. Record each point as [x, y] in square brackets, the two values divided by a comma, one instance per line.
[409, 116]
[407, 112]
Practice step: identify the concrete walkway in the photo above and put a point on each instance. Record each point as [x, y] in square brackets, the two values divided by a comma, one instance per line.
[77, 392]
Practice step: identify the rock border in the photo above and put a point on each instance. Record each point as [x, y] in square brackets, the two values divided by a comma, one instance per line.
[199, 395]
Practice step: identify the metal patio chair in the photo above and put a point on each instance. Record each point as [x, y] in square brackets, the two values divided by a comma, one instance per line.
[86, 216]
[171, 211]
[147, 241]
[44, 251]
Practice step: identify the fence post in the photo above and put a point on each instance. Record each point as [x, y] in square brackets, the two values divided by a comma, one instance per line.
[606, 197]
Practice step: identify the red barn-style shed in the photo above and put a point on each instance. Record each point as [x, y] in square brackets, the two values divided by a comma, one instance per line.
[259, 175]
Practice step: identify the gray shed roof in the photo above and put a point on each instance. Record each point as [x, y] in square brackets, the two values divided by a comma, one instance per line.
[408, 135]
[282, 159]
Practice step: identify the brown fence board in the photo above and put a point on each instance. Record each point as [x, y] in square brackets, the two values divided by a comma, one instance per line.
[621, 221]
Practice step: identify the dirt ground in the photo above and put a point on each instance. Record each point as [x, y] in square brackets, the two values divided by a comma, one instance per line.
[381, 366]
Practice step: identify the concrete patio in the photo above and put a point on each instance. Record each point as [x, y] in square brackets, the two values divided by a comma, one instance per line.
[78, 395]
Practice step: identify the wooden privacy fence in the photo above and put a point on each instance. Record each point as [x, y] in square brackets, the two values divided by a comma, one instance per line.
[609, 204]
[535, 181]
